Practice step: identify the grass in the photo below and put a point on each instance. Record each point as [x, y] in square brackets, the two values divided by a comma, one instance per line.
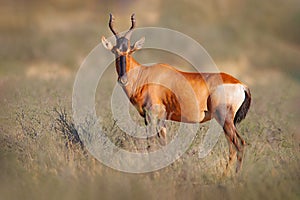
[40, 154]
[38, 160]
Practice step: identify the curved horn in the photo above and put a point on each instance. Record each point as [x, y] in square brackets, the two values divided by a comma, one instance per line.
[111, 21]
[128, 34]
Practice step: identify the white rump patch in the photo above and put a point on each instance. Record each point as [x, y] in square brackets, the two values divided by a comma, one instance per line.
[229, 94]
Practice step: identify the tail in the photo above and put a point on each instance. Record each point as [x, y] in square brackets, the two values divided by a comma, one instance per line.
[242, 111]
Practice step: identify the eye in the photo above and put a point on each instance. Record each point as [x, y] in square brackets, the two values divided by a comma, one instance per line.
[114, 50]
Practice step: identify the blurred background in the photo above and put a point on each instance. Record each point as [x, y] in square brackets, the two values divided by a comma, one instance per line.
[263, 34]
[43, 44]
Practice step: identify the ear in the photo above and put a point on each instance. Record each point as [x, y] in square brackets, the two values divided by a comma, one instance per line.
[138, 44]
[106, 43]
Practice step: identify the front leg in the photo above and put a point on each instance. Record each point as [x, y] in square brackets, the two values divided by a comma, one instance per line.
[155, 122]
[162, 132]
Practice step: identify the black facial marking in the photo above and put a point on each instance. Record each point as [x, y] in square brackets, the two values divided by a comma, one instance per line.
[122, 65]
[122, 47]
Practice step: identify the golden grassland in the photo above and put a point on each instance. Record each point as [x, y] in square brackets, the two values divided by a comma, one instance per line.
[42, 47]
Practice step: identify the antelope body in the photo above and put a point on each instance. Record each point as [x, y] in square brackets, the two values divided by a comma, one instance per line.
[160, 92]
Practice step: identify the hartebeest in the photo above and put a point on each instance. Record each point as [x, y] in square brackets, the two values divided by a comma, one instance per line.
[159, 93]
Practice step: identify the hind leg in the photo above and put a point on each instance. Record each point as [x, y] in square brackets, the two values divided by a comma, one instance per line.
[241, 139]
[225, 117]
[232, 135]
[232, 153]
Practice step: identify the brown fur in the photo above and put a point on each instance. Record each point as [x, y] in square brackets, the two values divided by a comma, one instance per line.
[160, 92]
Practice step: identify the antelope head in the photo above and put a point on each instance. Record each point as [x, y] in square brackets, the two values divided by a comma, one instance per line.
[122, 50]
